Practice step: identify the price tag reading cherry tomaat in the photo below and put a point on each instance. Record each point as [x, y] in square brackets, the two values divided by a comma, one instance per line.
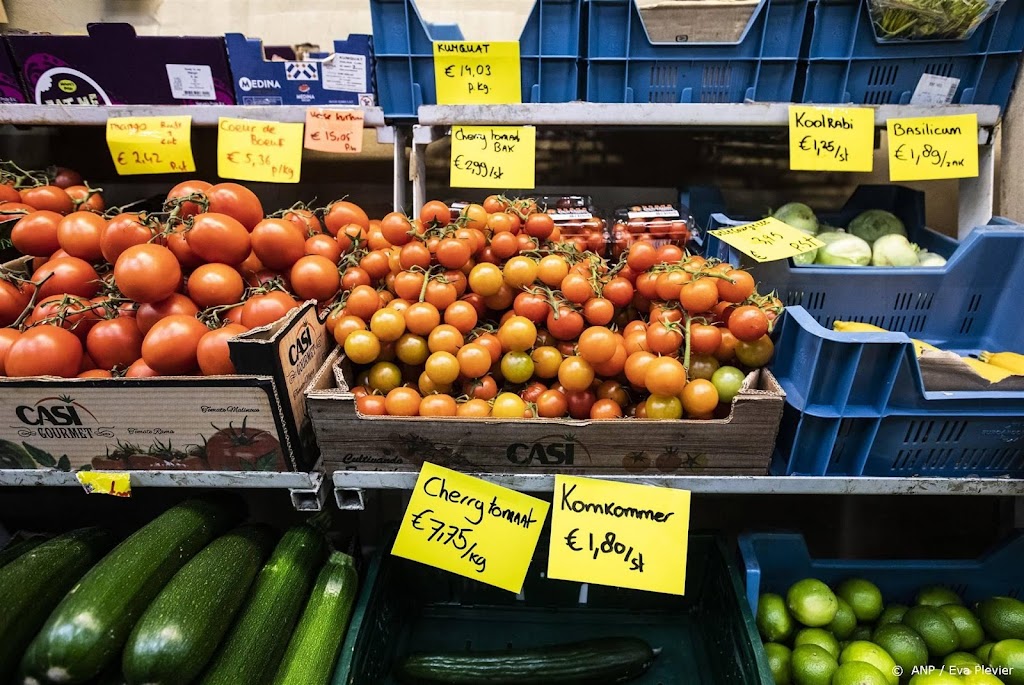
[928, 148]
[252, 150]
[151, 145]
[768, 240]
[831, 138]
[619, 534]
[468, 73]
[493, 156]
[468, 526]
[116, 483]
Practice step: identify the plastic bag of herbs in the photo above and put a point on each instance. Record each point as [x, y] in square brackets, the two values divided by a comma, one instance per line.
[896, 20]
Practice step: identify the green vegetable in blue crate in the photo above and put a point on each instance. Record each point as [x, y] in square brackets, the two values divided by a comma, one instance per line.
[926, 258]
[802, 218]
[872, 224]
[843, 249]
[928, 19]
[894, 250]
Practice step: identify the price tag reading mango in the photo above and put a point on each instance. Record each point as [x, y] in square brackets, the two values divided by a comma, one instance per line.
[768, 240]
[116, 483]
[619, 534]
[251, 150]
[929, 148]
[470, 527]
[493, 156]
[831, 138]
[467, 73]
[151, 145]
[334, 130]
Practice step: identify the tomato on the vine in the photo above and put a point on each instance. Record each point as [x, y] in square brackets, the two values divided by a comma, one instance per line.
[748, 323]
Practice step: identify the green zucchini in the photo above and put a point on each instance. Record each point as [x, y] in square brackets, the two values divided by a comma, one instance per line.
[253, 648]
[598, 662]
[179, 632]
[16, 549]
[88, 628]
[317, 640]
[33, 584]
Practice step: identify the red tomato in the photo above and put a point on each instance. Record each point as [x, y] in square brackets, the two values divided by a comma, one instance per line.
[49, 198]
[342, 213]
[13, 300]
[186, 189]
[212, 285]
[261, 310]
[147, 273]
[170, 347]
[278, 243]
[149, 313]
[36, 233]
[114, 343]
[79, 235]
[86, 199]
[69, 275]
[315, 278]
[219, 238]
[213, 352]
[239, 448]
[45, 350]
[236, 201]
[323, 245]
[122, 232]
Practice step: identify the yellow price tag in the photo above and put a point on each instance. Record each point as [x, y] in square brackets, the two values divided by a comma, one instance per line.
[468, 73]
[619, 534]
[493, 157]
[768, 240]
[251, 150]
[334, 130]
[116, 483]
[831, 138]
[470, 527]
[928, 148]
[151, 145]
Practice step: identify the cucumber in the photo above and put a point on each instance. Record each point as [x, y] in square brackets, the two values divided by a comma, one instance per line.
[16, 549]
[33, 584]
[179, 632]
[88, 628]
[598, 661]
[317, 640]
[252, 650]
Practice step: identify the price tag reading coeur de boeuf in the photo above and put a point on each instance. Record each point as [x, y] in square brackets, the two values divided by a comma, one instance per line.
[151, 145]
[928, 148]
[469, 73]
[493, 157]
[831, 138]
[768, 240]
[468, 526]
[619, 534]
[252, 150]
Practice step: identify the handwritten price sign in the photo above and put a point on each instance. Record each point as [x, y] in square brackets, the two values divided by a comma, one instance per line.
[927, 148]
[151, 145]
[468, 73]
[619, 534]
[493, 156]
[251, 150]
[831, 138]
[768, 240]
[334, 130]
[470, 527]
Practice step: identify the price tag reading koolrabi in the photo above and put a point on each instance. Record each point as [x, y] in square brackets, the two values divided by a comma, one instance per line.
[116, 483]
[468, 73]
[831, 138]
[768, 240]
[251, 150]
[151, 145]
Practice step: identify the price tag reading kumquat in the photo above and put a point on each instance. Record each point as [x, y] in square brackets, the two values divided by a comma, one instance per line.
[831, 138]
[334, 130]
[116, 483]
[928, 148]
[768, 240]
[468, 73]
[151, 145]
[252, 150]
[493, 156]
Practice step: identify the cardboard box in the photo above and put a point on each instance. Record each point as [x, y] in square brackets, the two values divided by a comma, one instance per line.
[342, 77]
[697, 21]
[741, 444]
[10, 85]
[255, 421]
[113, 66]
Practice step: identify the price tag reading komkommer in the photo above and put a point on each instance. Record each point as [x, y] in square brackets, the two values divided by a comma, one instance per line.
[768, 240]
[831, 138]
[619, 534]
[470, 527]
[493, 156]
[468, 73]
[151, 145]
[927, 148]
[252, 150]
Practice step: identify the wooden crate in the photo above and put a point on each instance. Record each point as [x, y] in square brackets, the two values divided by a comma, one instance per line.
[740, 444]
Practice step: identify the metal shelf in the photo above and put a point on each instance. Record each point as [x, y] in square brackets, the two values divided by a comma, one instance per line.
[202, 115]
[305, 489]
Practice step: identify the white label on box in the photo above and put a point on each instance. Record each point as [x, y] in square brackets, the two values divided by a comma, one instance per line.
[934, 90]
[345, 72]
[570, 214]
[653, 212]
[191, 82]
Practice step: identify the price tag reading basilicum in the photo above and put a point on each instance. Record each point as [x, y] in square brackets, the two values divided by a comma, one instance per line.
[468, 73]
[493, 156]
[831, 138]
[619, 534]
[252, 150]
[768, 240]
[151, 145]
[929, 148]
[468, 526]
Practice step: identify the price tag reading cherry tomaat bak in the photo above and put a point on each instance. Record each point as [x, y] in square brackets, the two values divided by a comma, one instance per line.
[619, 534]
[252, 150]
[468, 73]
[768, 240]
[493, 156]
[468, 526]
[831, 138]
[334, 130]
[116, 483]
[151, 145]
[928, 148]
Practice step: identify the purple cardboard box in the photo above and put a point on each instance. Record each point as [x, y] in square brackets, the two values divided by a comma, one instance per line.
[10, 85]
[143, 70]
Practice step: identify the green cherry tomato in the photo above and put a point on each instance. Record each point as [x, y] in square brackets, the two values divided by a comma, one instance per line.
[727, 381]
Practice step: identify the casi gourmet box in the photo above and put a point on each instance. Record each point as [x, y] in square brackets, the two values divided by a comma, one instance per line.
[342, 77]
[740, 444]
[255, 421]
[143, 70]
[10, 85]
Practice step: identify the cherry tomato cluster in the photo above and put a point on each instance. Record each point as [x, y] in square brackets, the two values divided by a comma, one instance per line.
[493, 313]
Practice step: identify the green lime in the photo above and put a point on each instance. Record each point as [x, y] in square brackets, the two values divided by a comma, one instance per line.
[893, 614]
[935, 678]
[936, 596]
[870, 653]
[1002, 617]
[858, 673]
[968, 629]
[864, 596]
[812, 665]
[812, 602]
[960, 663]
[779, 658]
[843, 624]
[981, 678]
[1006, 661]
[820, 637]
[860, 633]
[937, 629]
[984, 651]
[773, 619]
[904, 645]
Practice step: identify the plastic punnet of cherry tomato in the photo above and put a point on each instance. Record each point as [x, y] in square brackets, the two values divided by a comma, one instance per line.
[491, 312]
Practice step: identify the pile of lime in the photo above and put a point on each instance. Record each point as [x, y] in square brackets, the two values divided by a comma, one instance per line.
[817, 635]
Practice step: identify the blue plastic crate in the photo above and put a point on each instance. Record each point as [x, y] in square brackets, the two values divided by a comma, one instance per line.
[624, 65]
[774, 561]
[403, 51]
[847, 63]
